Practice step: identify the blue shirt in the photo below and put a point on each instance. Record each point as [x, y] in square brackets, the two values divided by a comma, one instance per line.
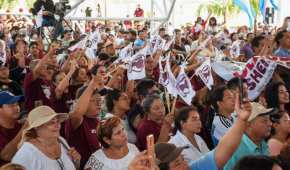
[206, 162]
[139, 42]
[282, 52]
[246, 147]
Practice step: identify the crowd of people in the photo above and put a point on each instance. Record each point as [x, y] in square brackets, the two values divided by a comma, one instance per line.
[62, 109]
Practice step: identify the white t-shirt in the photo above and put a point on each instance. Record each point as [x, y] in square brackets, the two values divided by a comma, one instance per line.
[99, 161]
[191, 153]
[32, 158]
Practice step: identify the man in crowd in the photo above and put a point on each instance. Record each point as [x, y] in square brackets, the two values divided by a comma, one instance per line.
[10, 129]
[139, 12]
[254, 139]
[84, 119]
[283, 41]
[223, 103]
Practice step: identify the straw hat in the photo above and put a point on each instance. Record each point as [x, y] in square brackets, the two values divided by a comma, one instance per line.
[43, 114]
[260, 110]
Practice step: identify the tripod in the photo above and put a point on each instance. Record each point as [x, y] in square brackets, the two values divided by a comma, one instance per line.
[58, 27]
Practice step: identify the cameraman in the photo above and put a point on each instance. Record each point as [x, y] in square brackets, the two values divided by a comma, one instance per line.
[47, 13]
[48, 16]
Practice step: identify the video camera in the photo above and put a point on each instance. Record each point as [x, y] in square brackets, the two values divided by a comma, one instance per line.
[61, 7]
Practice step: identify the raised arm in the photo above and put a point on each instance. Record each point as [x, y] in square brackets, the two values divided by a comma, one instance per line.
[76, 117]
[65, 81]
[231, 140]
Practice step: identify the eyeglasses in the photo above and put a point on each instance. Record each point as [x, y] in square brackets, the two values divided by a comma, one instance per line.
[60, 164]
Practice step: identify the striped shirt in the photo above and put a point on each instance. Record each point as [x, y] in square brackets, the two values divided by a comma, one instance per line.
[220, 126]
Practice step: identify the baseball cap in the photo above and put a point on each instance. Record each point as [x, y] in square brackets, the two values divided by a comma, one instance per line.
[260, 110]
[7, 97]
[167, 152]
[43, 114]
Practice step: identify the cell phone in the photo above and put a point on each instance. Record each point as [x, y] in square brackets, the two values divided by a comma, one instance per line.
[288, 27]
[241, 91]
[150, 148]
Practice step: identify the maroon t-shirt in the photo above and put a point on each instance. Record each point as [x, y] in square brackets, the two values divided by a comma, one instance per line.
[37, 90]
[145, 128]
[6, 135]
[84, 138]
[64, 104]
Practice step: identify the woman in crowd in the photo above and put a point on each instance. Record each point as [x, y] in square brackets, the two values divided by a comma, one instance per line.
[43, 148]
[280, 132]
[155, 122]
[277, 96]
[116, 152]
[213, 27]
[118, 104]
[187, 124]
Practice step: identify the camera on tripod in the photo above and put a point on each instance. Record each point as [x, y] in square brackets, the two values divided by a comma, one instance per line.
[61, 7]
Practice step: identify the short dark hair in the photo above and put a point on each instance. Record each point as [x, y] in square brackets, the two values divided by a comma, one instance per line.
[82, 89]
[143, 86]
[95, 69]
[105, 130]
[182, 116]
[257, 40]
[32, 43]
[148, 102]
[177, 30]
[133, 32]
[250, 33]
[279, 36]
[258, 162]
[234, 83]
[217, 95]
[112, 96]
[161, 29]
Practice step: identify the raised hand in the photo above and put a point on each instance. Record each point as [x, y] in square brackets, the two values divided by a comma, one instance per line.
[243, 111]
[141, 162]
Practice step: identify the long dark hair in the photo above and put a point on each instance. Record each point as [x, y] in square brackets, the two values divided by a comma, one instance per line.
[272, 94]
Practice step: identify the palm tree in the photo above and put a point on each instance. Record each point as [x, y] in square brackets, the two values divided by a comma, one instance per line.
[8, 4]
[221, 7]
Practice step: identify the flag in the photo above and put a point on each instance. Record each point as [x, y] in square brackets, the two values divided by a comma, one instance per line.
[168, 44]
[235, 49]
[226, 69]
[126, 51]
[262, 7]
[136, 68]
[157, 43]
[91, 44]
[183, 86]
[258, 72]
[166, 77]
[204, 72]
[245, 6]
[273, 3]
[78, 45]
[3, 57]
